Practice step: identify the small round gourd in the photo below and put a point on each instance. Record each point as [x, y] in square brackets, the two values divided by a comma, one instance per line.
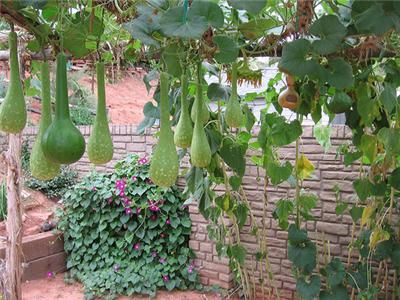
[289, 98]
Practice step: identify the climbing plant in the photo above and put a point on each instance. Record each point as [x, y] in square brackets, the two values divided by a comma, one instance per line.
[334, 57]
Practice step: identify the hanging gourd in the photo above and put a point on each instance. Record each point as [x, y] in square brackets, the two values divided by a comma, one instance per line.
[164, 165]
[289, 98]
[62, 142]
[233, 112]
[184, 129]
[100, 146]
[13, 109]
[201, 109]
[200, 152]
[42, 168]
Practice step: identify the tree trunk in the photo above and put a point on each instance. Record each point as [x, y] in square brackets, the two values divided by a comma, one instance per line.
[14, 220]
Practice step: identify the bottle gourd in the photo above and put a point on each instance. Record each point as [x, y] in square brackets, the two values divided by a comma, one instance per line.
[62, 142]
[200, 151]
[184, 129]
[41, 168]
[233, 111]
[13, 109]
[202, 108]
[289, 98]
[100, 146]
[164, 166]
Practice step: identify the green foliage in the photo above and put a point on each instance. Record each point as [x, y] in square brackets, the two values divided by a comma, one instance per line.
[123, 235]
[3, 200]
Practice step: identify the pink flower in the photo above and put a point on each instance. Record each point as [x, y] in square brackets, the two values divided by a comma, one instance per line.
[122, 194]
[165, 278]
[110, 200]
[161, 260]
[153, 206]
[138, 210]
[94, 189]
[154, 254]
[162, 235]
[136, 246]
[134, 178]
[168, 222]
[116, 268]
[128, 211]
[50, 274]
[143, 161]
[190, 270]
[120, 184]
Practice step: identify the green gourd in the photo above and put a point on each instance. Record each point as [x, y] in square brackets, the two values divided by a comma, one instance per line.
[200, 151]
[184, 129]
[164, 165]
[233, 111]
[203, 109]
[41, 167]
[62, 142]
[100, 146]
[13, 109]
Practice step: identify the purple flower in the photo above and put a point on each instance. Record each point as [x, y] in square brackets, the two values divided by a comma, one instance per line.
[122, 194]
[134, 178]
[50, 274]
[143, 161]
[153, 206]
[138, 210]
[110, 200]
[136, 246]
[154, 254]
[190, 270]
[161, 260]
[165, 278]
[120, 184]
[153, 217]
[94, 189]
[128, 211]
[116, 268]
[168, 222]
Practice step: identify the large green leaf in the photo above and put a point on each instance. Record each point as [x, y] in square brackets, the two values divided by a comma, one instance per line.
[284, 208]
[241, 212]
[234, 155]
[388, 97]
[369, 146]
[338, 293]
[171, 57]
[303, 256]
[390, 137]
[238, 252]
[228, 50]
[394, 179]
[340, 74]
[335, 272]
[252, 6]
[363, 187]
[217, 91]
[296, 61]
[331, 33]
[209, 10]
[340, 103]
[309, 289]
[279, 173]
[173, 24]
[256, 28]
[367, 108]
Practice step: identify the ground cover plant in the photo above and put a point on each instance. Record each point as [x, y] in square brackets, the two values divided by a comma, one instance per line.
[124, 235]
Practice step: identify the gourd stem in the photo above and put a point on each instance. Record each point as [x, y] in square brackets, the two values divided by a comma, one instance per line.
[184, 92]
[62, 109]
[45, 119]
[199, 94]
[14, 66]
[101, 93]
[234, 79]
[164, 102]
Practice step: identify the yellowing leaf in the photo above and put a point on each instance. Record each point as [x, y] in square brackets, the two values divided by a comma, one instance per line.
[378, 235]
[367, 214]
[304, 167]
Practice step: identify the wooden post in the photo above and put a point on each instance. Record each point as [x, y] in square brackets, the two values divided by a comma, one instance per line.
[14, 219]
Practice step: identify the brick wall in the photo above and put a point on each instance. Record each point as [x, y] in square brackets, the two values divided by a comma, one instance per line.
[330, 172]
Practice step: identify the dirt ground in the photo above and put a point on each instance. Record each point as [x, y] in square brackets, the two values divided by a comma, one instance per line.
[38, 209]
[56, 289]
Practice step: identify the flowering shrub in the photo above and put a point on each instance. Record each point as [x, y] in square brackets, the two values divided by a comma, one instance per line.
[123, 235]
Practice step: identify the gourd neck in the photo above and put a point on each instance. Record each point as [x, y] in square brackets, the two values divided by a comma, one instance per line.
[234, 80]
[199, 95]
[62, 108]
[164, 102]
[46, 98]
[14, 66]
[101, 92]
[184, 93]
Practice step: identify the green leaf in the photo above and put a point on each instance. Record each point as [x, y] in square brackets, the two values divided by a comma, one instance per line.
[253, 6]
[331, 33]
[369, 146]
[356, 213]
[228, 50]
[390, 137]
[341, 208]
[170, 284]
[307, 202]
[363, 187]
[340, 103]
[388, 97]
[295, 60]
[309, 289]
[284, 208]
[338, 293]
[297, 236]
[394, 179]
[304, 167]
[340, 74]
[303, 256]
[241, 212]
[209, 10]
[124, 219]
[335, 273]
[256, 28]
[279, 173]
[224, 202]
[172, 24]
[323, 135]
[249, 116]
[171, 57]
[216, 92]
[367, 108]
[238, 252]
[235, 182]
[234, 155]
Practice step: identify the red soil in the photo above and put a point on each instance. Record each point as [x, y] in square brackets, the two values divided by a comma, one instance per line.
[55, 288]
